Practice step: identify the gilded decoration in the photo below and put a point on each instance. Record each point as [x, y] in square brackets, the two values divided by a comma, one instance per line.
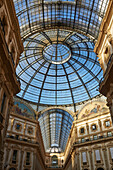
[18, 127]
[22, 109]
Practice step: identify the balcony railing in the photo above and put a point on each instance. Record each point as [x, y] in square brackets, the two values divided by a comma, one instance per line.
[92, 139]
[20, 139]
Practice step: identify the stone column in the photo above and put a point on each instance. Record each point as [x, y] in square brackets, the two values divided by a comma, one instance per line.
[91, 161]
[21, 159]
[6, 158]
[78, 160]
[105, 157]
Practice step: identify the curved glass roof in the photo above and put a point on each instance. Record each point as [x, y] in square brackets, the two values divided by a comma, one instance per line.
[58, 65]
[73, 79]
[84, 16]
[55, 128]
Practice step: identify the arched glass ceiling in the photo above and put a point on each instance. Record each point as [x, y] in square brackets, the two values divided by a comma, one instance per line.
[48, 73]
[55, 127]
[84, 16]
[71, 80]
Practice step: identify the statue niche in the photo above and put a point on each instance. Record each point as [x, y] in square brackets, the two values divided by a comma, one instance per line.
[110, 40]
[107, 54]
[109, 48]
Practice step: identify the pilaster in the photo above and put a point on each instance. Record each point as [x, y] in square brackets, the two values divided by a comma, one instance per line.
[21, 159]
[105, 157]
[91, 161]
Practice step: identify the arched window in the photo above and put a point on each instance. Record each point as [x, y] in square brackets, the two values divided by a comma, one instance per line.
[54, 161]
[12, 169]
[100, 169]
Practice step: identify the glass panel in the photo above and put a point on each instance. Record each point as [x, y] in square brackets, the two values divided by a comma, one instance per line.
[58, 66]
[84, 157]
[97, 153]
[55, 127]
[107, 123]
[111, 151]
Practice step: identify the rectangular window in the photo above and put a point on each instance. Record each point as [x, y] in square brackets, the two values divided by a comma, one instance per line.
[109, 134]
[95, 137]
[82, 130]
[14, 156]
[93, 127]
[3, 102]
[82, 140]
[28, 158]
[107, 123]
[97, 154]
[111, 152]
[84, 159]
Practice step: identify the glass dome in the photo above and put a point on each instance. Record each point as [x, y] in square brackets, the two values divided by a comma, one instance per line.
[58, 65]
[59, 70]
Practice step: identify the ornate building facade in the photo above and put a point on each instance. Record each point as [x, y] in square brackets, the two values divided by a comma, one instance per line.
[89, 146]
[10, 49]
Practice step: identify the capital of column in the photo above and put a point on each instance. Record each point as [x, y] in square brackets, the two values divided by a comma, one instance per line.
[90, 151]
[73, 154]
[104, 148]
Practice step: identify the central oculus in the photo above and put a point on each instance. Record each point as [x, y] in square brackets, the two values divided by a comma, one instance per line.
[57, 53]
